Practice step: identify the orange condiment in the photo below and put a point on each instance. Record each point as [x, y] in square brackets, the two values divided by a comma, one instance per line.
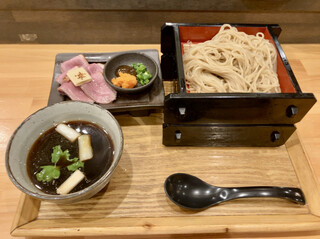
[125, 80]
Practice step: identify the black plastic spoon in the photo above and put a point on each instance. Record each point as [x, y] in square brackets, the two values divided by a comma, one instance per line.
[191, 192]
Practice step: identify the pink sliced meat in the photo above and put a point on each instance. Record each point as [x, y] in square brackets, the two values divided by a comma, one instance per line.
[78, 60]
[94, 68]
[98, 89]
[74, 92]
[60, 78]
[101, 65]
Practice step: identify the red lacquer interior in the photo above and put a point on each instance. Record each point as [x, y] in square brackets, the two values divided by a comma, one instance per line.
[203, 33]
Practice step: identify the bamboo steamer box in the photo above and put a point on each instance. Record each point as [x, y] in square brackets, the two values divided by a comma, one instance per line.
[227, 119]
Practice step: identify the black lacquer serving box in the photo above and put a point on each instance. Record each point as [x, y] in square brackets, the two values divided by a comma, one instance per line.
[227, 119]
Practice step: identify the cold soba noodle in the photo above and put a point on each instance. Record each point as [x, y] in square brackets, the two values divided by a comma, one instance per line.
[231, 61]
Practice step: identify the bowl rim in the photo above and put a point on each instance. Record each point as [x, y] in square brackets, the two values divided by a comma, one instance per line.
[52, 197]
[135, 89]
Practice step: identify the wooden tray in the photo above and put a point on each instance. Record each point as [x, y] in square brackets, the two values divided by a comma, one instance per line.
[134, 203]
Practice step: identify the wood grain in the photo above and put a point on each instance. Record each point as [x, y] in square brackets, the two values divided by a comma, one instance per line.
[124, 21]
[303, 170]
[150, 226]
[128, 27]
[25, 76]
[217, 5]
[27, 211]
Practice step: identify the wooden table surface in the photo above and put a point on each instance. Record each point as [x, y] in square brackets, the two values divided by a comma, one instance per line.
[26, 75]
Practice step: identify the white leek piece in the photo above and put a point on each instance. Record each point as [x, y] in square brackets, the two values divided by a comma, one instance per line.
[67, 132]
[85, 148]
[71, 182]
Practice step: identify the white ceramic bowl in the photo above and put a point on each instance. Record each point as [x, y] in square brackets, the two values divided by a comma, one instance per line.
[42, 120]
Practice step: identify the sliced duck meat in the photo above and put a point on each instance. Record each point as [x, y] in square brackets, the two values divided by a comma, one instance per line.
[61, 78]
[98, 89]
[78, 60]
[74, 92]
[101, 65]
[95, 68]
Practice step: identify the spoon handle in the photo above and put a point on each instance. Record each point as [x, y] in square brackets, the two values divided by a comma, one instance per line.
[292, 194]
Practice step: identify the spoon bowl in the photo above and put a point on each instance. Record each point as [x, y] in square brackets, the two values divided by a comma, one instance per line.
[191, 192]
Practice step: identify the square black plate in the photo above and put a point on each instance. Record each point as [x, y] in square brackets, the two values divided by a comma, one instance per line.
[137, 104]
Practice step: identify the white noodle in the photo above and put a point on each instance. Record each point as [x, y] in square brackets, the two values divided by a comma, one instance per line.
[231, 61]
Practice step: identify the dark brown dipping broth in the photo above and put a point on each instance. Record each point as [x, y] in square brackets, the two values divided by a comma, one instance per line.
[125, 69]
[41, 150]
